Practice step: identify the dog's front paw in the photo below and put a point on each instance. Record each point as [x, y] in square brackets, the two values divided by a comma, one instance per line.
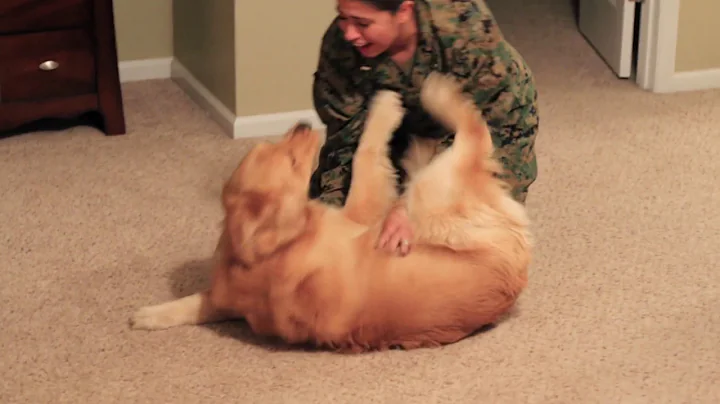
[386, 114]
[153, 318]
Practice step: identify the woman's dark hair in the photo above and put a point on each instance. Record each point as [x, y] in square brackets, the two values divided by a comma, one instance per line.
[385, 5]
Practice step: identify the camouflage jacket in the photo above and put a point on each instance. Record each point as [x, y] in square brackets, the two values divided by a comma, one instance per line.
[459, 37]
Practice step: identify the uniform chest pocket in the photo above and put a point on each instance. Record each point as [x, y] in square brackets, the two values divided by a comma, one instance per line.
[462, 65]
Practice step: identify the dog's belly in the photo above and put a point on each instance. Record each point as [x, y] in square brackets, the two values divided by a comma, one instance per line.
[433, 296]
[340, 236]
[369, 298]
[336, 225]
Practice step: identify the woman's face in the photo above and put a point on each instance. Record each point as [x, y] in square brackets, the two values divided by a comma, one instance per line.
[370, 30]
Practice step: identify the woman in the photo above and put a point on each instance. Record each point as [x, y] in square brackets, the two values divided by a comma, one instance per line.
[394, 44]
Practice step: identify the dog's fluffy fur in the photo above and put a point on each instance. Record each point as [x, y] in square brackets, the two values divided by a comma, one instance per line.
[306, 272]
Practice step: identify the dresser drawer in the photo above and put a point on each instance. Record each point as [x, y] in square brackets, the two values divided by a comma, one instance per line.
[46, 65]
[38, 15]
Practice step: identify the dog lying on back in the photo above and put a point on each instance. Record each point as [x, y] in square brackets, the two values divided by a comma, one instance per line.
[306, 272]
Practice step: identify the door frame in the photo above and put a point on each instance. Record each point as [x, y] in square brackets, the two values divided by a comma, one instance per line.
[657, 50]
[658, 43]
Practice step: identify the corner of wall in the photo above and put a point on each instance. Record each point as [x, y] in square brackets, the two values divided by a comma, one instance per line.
[274, 89]
[673, 33]
[204, 44]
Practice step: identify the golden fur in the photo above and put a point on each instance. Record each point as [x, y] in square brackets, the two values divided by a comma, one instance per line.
[310, 273]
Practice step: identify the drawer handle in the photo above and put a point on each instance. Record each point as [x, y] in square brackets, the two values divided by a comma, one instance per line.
[49, 65]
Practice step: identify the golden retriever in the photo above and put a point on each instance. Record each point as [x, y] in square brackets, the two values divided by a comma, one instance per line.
[311, 273]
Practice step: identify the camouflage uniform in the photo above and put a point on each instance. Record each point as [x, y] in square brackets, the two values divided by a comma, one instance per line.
[459, 37]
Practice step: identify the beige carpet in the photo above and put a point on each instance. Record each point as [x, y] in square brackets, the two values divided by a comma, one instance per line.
[623, 305]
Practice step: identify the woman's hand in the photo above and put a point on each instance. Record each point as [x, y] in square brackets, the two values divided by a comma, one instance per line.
[397, 232]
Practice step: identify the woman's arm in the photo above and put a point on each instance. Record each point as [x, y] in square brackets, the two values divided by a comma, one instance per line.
[477, 54]
[337, 97]
[499, 81]
[340, 103]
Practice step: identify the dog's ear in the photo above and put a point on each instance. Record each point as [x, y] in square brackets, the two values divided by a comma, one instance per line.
[259, 225]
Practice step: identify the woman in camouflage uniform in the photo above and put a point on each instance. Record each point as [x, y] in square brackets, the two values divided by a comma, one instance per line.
[394, 44]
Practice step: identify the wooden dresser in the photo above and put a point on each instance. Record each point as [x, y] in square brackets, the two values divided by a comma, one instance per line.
[58, 59]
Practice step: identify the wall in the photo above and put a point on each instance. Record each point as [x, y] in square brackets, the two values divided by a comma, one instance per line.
[230, 46]
[204, 42]
[698, 34]
[144, 29]
[275, 66]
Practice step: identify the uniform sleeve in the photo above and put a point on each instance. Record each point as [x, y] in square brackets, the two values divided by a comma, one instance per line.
[337, 99]
[340, 105]
[494, 74]
[479, 56]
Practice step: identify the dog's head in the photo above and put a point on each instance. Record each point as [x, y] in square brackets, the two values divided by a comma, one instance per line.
[266, 197]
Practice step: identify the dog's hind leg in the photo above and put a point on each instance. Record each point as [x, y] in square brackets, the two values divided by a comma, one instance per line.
[442, 97]
[437, 195]
[189, 310]
[372, 190]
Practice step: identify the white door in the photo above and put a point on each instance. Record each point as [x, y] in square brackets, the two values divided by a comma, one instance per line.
[609, 26]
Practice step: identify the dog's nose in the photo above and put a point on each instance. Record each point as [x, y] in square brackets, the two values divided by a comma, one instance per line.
[303, 126]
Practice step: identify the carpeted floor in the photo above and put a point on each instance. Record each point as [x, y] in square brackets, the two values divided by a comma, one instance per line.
[623, 305]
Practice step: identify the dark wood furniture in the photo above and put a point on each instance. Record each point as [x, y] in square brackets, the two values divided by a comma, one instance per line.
[58, 59]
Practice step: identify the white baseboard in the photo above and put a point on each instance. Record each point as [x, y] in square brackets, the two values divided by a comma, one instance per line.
[144, 69]
[203, 97]
[238, 127]
[691, 81]
[274, 124]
